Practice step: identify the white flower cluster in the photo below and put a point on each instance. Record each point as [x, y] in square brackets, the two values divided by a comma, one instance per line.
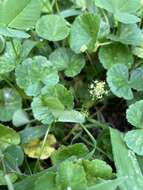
[97, 89]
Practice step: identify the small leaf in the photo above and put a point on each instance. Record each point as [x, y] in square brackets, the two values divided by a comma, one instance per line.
[134, 140]
[52, 28]
[20, 117]
[72, 116]
[8, 137]
[30, 133]
[34, 73]
[97, 168]
[10, 101]
[65, 59]
[35, 149]
[64, 152]
[136, 79]
[134, 114]
[117, 78]
[84, 32]
[115, 53]
[8, 60]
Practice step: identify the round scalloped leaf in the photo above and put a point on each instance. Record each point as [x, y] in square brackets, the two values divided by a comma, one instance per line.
[84, 32]
[52, 28]
[65, 59]
[115, 53]
[10, 101]
[117, 78]
[136, 79]
[8, 137]
[33, 148]
[134, 140]
[34, 73]
[134, 114]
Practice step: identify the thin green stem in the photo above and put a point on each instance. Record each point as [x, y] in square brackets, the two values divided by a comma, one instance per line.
[89, 134]
[42, 148]
[8, 182]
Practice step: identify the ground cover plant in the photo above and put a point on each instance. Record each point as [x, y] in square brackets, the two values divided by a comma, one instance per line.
[71, 94]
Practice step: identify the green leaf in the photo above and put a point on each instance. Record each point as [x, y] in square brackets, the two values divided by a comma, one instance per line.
[136, 79]
[134, 114]
[108, 184]
[52, 28]
[8, 32]
[71, 175]
[72, 116]
[8, 60]
[20, 14]
[34, 73]
[126, 163]
[64, 152]
[84, 32]
[46, 181]
[117, 78]
[12, 177]
[51, 105]
[8, 137]
[65, 59]
[10, 101]
[97, 168]
[2, 44]
[123, 10]
[128, 34]
[20, 117]
[60, 92]
[31, 133]
[115, 53]
[13, 156]
[134, 140]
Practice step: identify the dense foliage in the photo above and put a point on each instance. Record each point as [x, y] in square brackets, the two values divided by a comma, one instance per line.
[71, 94]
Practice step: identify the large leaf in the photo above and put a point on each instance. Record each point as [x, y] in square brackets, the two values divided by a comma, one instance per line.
[10, 101]
[115, 53]
[117, 78]
[108, 184]
[65, 59]
[134, 114]
[129, 34]
[34, 73]
[84, 32]
[71, 175]
[8, 32]
[20, 14]
[8, 137]
[46, 181]
[126, 163]
[52, 28]
[122, 9]
[134, 140]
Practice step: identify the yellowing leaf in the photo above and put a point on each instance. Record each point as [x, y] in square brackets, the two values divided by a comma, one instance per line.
[35, 148]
